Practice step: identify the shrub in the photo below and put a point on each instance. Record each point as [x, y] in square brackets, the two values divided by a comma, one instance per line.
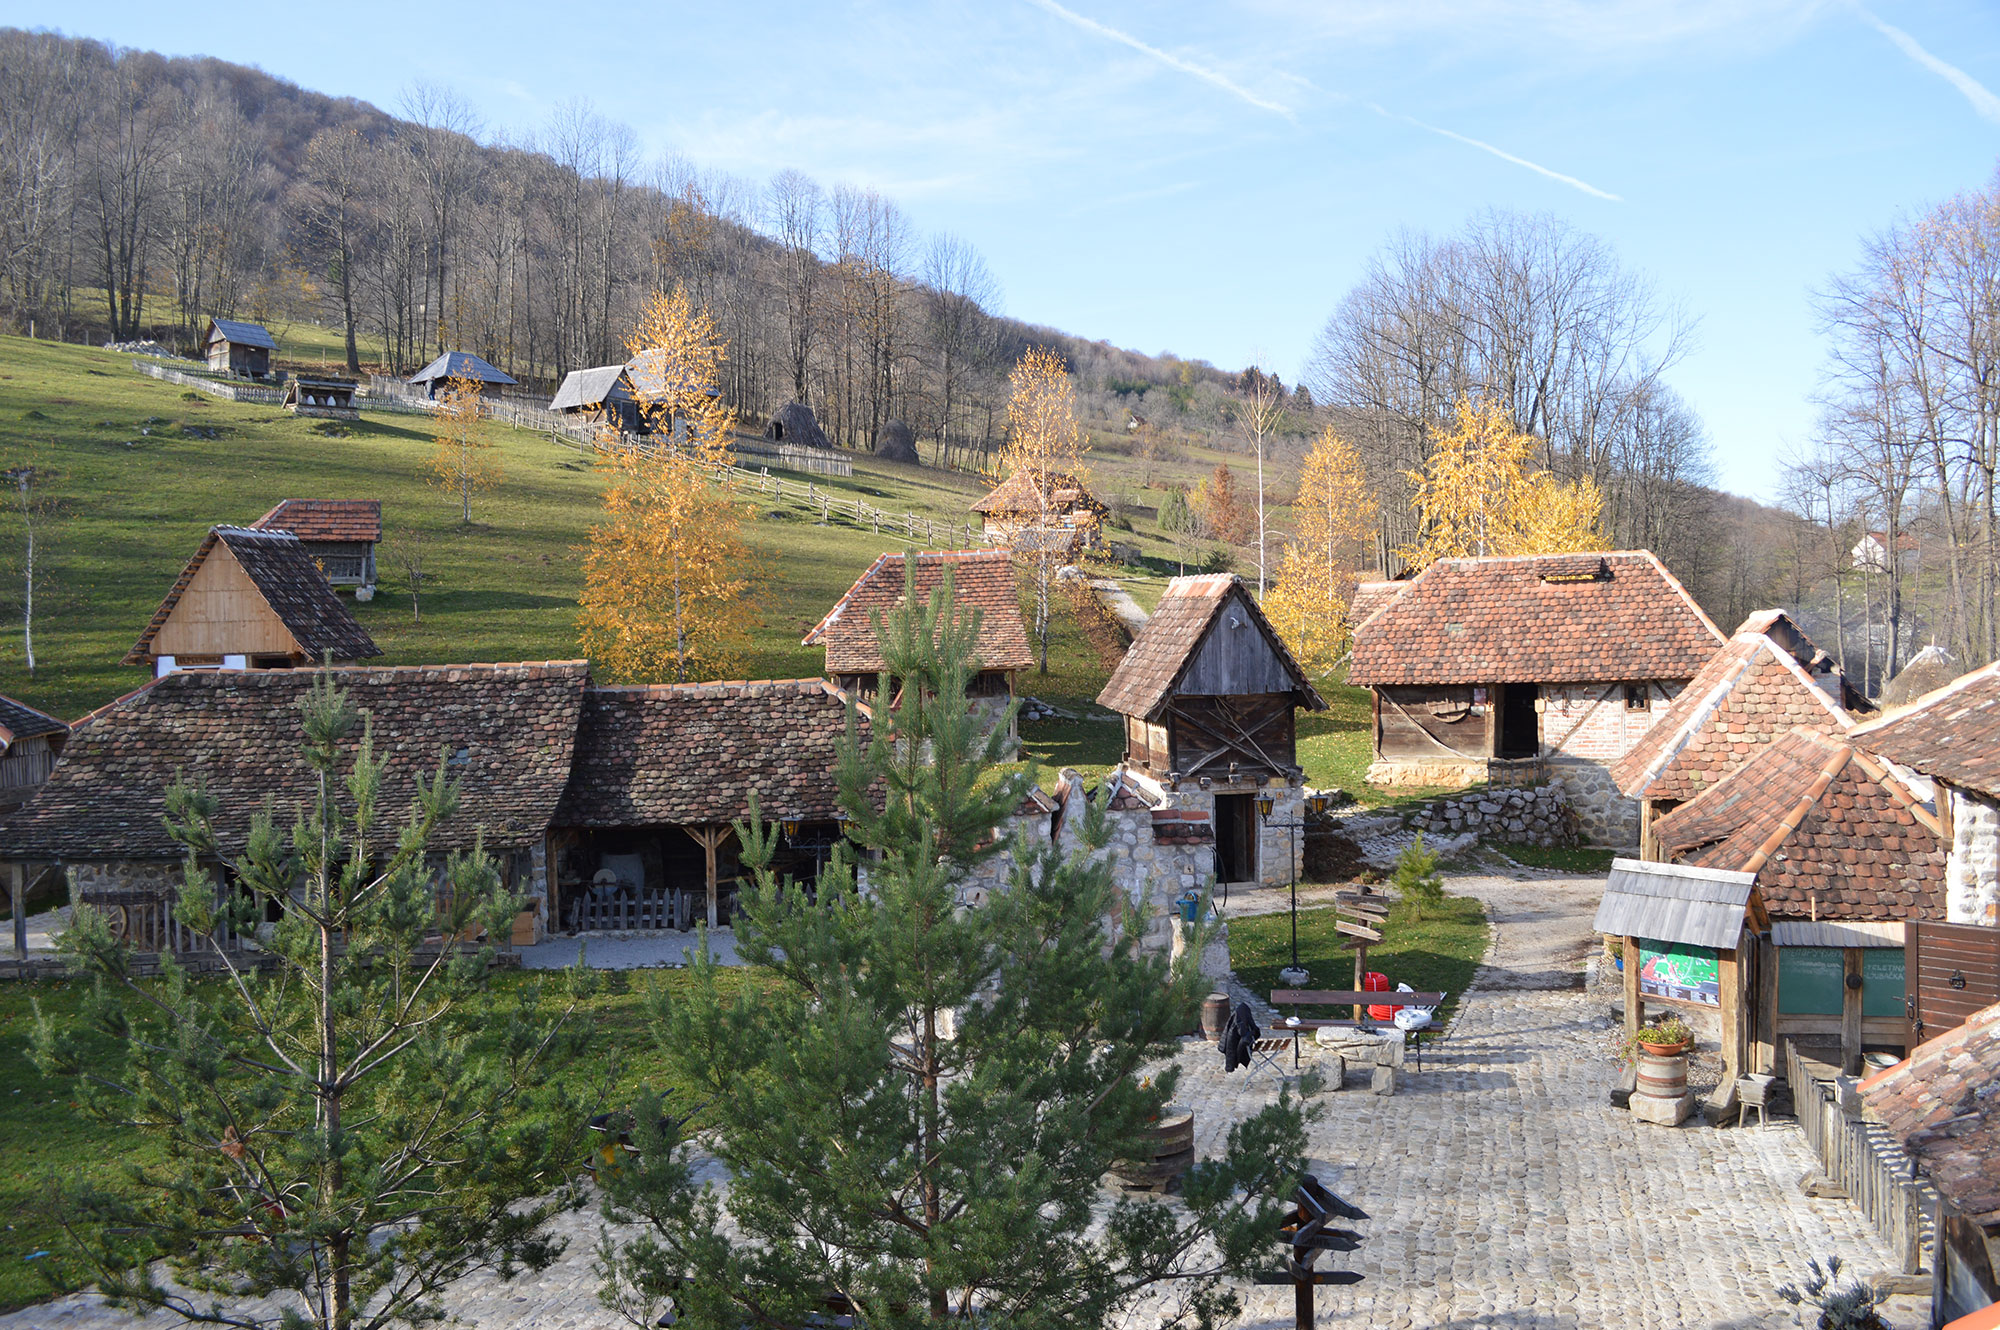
[1849, 1308]
[1418, 886]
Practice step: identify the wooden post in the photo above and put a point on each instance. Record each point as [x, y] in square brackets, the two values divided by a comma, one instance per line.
[17, 893]
[1302, 1301]
[709, 838]
[1850, 1011]
[1767, 979]
[1635, 1007]
[1730, 973]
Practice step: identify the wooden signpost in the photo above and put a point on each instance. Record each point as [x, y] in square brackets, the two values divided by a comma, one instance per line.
[1308, 1235]
[1369, 908]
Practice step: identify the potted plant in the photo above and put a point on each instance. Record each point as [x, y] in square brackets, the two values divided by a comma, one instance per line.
[1666, 1037]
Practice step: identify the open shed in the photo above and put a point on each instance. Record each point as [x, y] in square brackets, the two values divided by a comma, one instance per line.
[326, 396]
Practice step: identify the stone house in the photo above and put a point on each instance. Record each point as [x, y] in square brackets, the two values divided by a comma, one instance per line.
[30, 743]
[340, 535]
[250, 600]
[1845, 855]
[1952, 736]
[982, 580]
[1209, 694]
[1054, 504]
[232, 346]
[1766, 681]
[1940, 1106]
[1517, 670]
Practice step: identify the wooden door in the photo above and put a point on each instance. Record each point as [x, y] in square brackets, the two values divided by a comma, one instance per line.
[1949, 972]
[1235, 838]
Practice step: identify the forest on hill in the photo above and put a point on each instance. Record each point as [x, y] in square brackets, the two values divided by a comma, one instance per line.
[141, 194]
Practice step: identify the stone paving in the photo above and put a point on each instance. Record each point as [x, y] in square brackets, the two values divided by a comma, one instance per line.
[1504, 1192]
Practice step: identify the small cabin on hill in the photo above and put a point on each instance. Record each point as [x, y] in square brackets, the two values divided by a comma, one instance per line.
[250, 600]
[461, 365]
[339, 534]
[234, 347]
[602, 396]
[1766, 681]
[1518, 670]
[982, 580]
[30, 743]
[324, 396]
[1208, 693]
[1054, 504]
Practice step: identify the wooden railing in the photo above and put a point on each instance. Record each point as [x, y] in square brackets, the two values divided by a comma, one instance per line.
[662, 909]
[1866, 1162]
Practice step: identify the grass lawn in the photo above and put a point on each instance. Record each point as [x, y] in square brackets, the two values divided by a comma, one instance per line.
[1566, 859]
[50, 1140]
[1438, 955]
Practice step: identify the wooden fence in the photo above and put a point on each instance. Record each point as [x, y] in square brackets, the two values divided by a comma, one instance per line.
[662, 909]
[1865, 1161]
[234, 390]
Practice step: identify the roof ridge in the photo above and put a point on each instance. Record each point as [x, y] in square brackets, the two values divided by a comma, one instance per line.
[799, 685]
[1829, 768]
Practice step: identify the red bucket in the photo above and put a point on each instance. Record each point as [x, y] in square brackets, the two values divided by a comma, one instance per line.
[1378, 983]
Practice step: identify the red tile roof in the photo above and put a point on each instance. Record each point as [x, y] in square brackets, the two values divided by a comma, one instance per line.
[291, 584]
[332, 520]
[1171, 638]
[1941, 1103]
[692, 754]
[1830, 832]
[1017, 494]
[981, 579]
[1749, 694]
[1557, 618]
[1953, 733]
[1370, 597]
[18, 720]
[507, 731]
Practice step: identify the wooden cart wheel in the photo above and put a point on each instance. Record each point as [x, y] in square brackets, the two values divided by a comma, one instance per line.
[120, 923]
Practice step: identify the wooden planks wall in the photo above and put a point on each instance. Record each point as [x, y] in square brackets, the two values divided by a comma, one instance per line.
[1411, 725]
[223, 612]
[1949, 972]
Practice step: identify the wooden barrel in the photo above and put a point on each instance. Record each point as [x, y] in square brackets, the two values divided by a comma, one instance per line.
[1214, 1015]
[1166, 1151]
[1662, 1076]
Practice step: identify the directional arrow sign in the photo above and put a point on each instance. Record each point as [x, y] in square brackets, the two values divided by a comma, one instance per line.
[1362, 931]
[1314, 1276]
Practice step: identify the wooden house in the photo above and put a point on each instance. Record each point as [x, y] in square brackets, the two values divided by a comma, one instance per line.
[1940, 1106]
[250, 600]
[1043, 502]
[30, 743]
[461, 365]
[1518, 670]
[602, 396]
[1845, 854]
[234, 347]
[339, 534]
[324, 396]
[1766, 681]
[982, 580]
[643, 839]
[1208, 693]
[1687, 939]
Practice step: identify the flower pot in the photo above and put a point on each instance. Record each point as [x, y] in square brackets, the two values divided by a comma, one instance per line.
[1667, 1050]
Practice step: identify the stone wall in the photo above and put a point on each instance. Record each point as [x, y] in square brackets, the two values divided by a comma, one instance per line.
[1604, 815]
[1972, 876]
[1535, 815]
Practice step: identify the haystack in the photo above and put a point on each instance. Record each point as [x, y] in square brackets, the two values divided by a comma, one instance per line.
[795, 423]
[897, 442]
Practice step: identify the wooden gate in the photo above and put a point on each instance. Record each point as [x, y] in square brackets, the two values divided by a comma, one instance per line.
[1949, 972]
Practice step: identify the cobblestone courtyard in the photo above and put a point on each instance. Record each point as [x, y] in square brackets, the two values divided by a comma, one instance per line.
[1503, 1190]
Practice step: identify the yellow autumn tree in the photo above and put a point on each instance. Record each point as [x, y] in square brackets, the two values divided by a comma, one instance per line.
[463, 459]
[1335, 514]
[666, 572]
[1044, 441]
[1477, 496]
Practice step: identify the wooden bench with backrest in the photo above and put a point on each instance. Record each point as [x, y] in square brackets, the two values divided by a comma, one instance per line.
[1320, 997]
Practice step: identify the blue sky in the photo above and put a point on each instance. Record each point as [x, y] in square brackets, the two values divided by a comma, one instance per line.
[1210, 178]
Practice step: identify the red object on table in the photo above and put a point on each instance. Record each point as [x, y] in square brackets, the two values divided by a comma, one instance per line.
[1378, 983]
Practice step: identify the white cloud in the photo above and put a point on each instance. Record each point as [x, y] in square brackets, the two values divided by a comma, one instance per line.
[1167, 58]
[1983, 101]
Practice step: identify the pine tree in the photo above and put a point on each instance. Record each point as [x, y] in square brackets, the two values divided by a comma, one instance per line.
[1418, 886]
[333, 1146]
[917, 1111]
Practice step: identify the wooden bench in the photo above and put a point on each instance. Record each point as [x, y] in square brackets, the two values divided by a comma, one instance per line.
[1320, 997]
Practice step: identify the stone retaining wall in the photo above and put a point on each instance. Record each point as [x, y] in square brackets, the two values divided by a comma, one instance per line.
[1535, 815]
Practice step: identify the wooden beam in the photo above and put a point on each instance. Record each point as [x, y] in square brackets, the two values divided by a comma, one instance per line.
[1767, 988]
[1850, 1011]
[17, 894]
[1635, 1009]
[1362, 931]
[1730, 973]
[710, 839]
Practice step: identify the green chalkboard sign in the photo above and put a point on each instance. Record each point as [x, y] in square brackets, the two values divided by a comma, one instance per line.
[1678, 971]
[1882, 981]
[1811, 979]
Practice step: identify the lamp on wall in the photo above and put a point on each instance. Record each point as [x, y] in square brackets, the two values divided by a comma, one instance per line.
[791, 825]
[1264, 806]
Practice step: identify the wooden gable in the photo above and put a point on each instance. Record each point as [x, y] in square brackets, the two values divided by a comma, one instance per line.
[1236, 656]
[222, 612]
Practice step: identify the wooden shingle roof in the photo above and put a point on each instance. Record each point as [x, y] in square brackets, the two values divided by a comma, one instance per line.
[1941, 1103]
[341, 520]
[18, 720]
[239, 333]
[1953, 733]
[1017, 494]
[461, 365]
[507, 731]
[981, 579]
[587, 387]
[291, 584]
[1830, 832]
[1172, 638]
[692, 754]
[1751, 693]
[1554, 618]
[1370, 597]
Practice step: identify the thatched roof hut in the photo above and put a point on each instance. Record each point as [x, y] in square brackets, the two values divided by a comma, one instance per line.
[897, 443]
[794, 422]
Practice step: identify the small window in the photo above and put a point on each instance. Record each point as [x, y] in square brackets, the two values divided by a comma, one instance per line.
[1638, 697]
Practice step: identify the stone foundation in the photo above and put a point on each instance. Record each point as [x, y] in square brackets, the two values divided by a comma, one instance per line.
[1449, 773]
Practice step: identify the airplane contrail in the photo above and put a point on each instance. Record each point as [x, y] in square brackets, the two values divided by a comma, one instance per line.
[1982, 99]
[1167, 58]
[1501, 153]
